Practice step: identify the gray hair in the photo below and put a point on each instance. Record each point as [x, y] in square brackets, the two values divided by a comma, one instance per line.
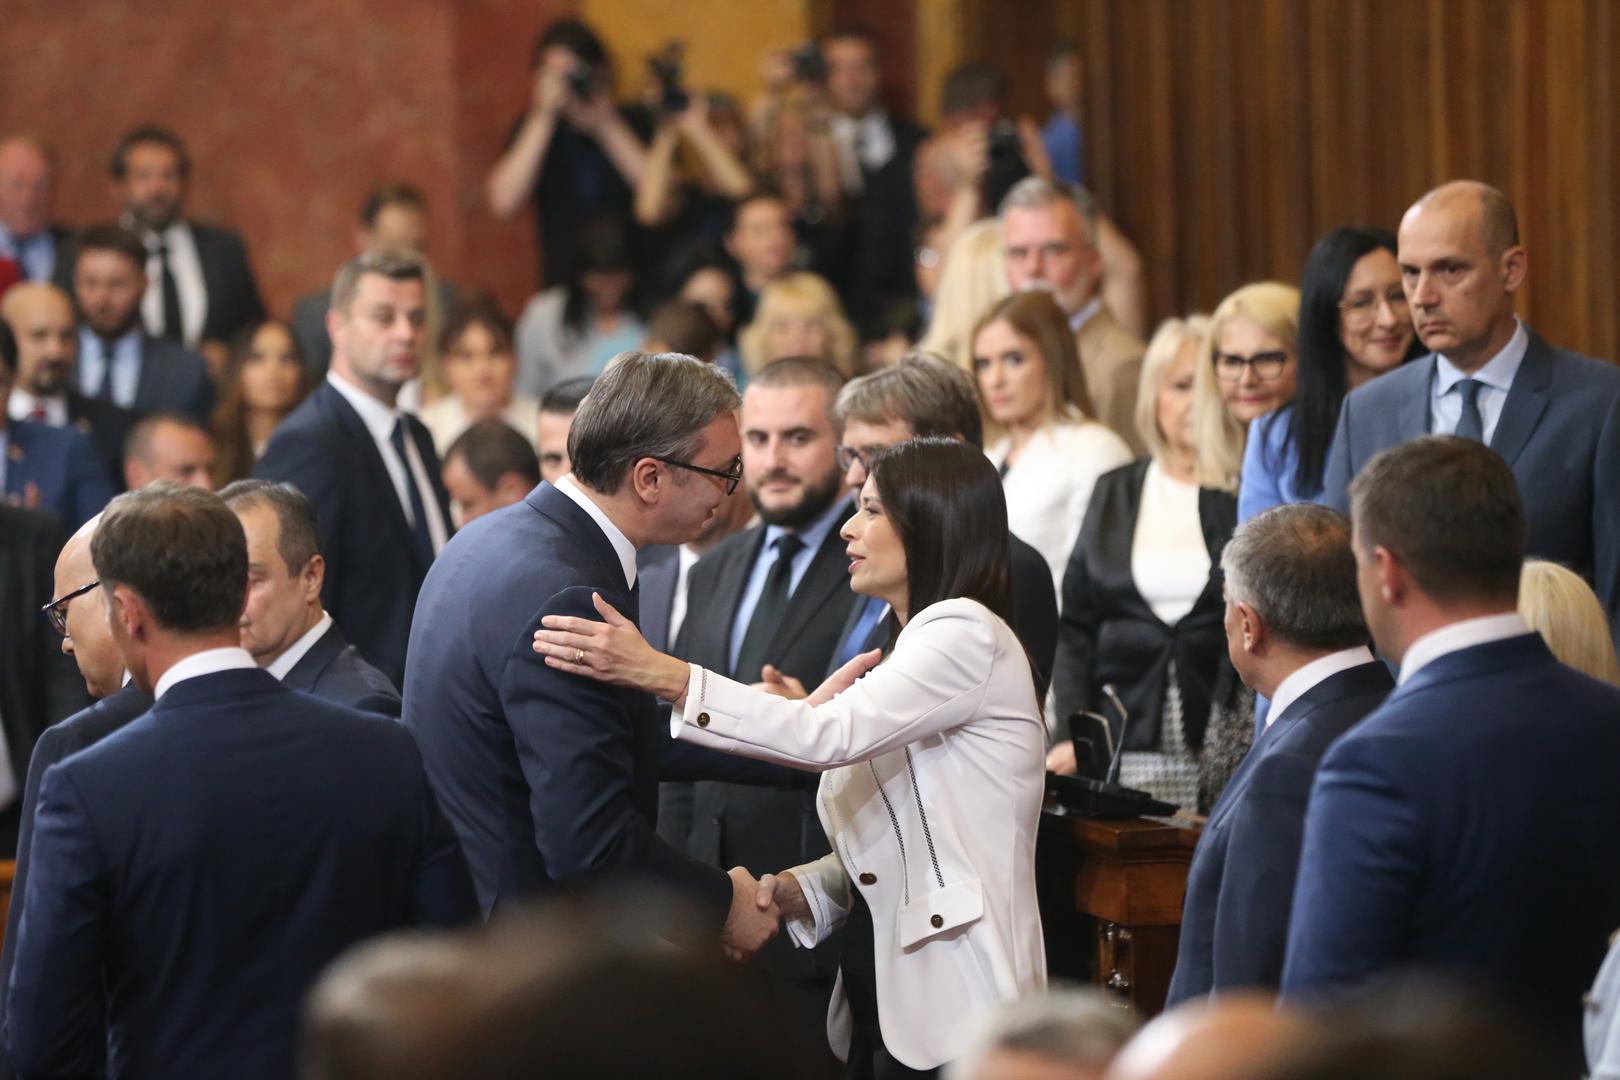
[645, 405]
[1035, 193]
[394, 265]
[1080, 1026]
[1294, 565]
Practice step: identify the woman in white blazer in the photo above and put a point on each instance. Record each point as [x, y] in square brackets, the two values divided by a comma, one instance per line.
[932, 765]
[1031, 385]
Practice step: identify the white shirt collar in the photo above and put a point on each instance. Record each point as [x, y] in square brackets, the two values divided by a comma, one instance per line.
[295, 652]
[23, 403]
[1498, 371]
[378, 418]
[1083, 316]
[1457, 636]
[1306, 679]
[207, 662]
[622, 547]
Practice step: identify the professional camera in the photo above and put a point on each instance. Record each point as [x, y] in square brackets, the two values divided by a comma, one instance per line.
[808, 63]
[582, 81]
[1007, 165]
[666, 67]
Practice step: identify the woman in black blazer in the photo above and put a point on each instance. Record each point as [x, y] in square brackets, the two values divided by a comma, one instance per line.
[1142, 610]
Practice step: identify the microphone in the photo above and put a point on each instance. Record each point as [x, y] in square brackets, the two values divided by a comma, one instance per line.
[1112, 776]
[1079, 796]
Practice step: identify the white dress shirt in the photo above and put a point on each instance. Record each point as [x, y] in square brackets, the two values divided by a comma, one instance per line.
[380, 420]
[186, 266]
[23, 403]
[295, 652]
[865, 144]
[1445, 401]
[622, 547]
[207, 662]
[1459, 635]
[685, 559]
[1305, 679]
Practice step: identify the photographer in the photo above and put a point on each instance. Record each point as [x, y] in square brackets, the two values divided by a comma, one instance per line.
[575, 152]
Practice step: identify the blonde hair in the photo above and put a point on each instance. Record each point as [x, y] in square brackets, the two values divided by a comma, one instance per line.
[1274, 307]
[1560, 606]
[1172, 336]
[972, 278]
[806, 294]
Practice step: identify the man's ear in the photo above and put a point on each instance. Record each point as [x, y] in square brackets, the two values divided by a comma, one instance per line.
[126, 614]
[649, 479]
[511, 488]
[313, 577]
[1393, 581]
[1515, 267]
[1254, 629]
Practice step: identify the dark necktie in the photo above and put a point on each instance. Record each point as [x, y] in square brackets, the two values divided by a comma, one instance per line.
[1470, 425]
[420, 534]
[769, 612]
[105, 390]
[171, 297]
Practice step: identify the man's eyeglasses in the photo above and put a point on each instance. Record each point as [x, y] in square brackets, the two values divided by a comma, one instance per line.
[1267, 365]
[849, 455]
[55, 612]
[732, 478]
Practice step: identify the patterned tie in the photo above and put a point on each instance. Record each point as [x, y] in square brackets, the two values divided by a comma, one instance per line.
[1470, 425]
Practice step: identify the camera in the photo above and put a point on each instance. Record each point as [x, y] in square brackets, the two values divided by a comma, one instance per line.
[808, 63]
[1007, 165]
[582, 81]
[666, 67]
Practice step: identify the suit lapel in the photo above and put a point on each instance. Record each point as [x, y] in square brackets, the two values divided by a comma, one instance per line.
[733, 579]
[309, 667]
[1526, 401]
[822, 579]
[553, 504]
[149, 380]
[430, 462]
[1413, 419]
[378, 479]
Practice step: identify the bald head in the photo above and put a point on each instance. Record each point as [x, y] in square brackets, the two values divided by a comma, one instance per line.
[1490, 210]
[25, 185]
[1233, 1038]
[89, 639]
[41, 318]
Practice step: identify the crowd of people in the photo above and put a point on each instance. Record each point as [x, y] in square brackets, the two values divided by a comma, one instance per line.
[823, 499]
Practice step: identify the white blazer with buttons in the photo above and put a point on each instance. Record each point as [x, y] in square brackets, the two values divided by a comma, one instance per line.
[934, 769]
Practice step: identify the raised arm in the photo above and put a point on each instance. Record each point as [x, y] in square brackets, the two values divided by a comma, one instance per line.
[514, 173]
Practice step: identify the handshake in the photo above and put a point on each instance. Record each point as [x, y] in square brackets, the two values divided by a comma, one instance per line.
[757, 910]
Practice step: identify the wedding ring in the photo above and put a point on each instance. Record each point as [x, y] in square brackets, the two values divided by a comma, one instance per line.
[579, 656]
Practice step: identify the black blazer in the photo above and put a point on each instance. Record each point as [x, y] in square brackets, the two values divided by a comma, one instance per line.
[109, 425]
[373, 572]
[334, 670]
[1109, 634]
[656, 569]
[1234, 926]
[233, 294]
[173, 378]
[883, 220]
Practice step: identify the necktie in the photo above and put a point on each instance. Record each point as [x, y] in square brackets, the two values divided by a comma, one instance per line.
[1470, 425]
[105, 390]
[171, 297]
[38, 414]
[860, 632]
[421, 536]
[769, 612]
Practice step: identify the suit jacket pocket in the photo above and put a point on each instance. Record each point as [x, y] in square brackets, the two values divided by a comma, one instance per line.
[940, 911]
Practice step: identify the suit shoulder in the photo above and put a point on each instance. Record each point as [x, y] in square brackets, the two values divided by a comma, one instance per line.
[732, 549]
[173, 352]
[957, 615]
[1586, 372]
[207, 233]
[1394, 386]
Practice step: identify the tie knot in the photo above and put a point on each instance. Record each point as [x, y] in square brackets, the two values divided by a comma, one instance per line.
[788, 545]
[1469, 389]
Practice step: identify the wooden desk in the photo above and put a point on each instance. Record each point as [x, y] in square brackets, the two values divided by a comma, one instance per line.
[1111, 896]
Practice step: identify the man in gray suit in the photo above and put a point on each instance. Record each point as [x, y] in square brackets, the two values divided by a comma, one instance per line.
[1553, 415]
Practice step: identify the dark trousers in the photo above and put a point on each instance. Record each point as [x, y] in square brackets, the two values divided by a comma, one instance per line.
[869, 1059]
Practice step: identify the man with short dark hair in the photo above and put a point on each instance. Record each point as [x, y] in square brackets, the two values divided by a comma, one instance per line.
[369, 468]
[169, 446]
[45, 467]
[284, 626]
[1296, 634]
[1479, 799]
[196, 871]
[488, 466]
[557, 408]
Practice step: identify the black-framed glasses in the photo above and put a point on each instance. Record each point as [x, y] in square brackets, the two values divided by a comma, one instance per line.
[55, 612]
[732, 478]
[1229, 367]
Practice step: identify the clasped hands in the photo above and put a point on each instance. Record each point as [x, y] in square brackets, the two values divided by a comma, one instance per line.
[757, 910]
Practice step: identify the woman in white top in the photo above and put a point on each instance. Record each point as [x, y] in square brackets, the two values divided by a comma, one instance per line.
[932, 766]
[1032, 386]
[476, 360]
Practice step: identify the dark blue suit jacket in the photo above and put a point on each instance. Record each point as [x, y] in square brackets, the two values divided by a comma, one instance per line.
[550, 779]
[372, 569]
[333, 670]
[204, 864]
[173, 378]
[1234, 926]
[1470, 824]
[62, 463]
[1559, 431]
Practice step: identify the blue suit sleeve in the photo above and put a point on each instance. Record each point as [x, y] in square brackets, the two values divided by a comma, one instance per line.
[55, 1013]
[1264, 459]
[444, 894]
[305, 461]
[90, 490]
[1337, 474]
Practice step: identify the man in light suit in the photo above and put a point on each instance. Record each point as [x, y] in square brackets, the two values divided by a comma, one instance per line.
[284, 627]
[1469, 824]
[1049, 237]
[43, 467]
[369, 467]
[1296, 634]
[551, 779]
[195, 871]
[1552, 415]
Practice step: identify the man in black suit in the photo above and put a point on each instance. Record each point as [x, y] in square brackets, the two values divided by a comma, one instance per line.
[194, 872]
[27, 236]
[119, 362]
[41, 318]
[550, 779]
[284, 626]
[1296, 634]
[369, 468]
[200, 290]
[1552, 415]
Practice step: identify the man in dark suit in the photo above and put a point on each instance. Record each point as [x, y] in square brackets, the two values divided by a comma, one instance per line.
[369, 468]
[119, 362]
[1552, 415]
[200, 291]
[26, 235]
[550, 779]
[1479, 799]
[53, 469]
[195, 871]
[284, 626]
[1296, 634]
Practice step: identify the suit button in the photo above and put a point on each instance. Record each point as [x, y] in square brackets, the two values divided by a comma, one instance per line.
[703, 719]
[937, 921]
[868, 878]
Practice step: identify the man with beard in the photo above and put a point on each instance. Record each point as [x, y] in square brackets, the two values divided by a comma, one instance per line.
[776, 596]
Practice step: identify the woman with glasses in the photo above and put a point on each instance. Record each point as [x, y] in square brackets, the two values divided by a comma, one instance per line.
[1353, 326]
[1249, 370]
[931, 763]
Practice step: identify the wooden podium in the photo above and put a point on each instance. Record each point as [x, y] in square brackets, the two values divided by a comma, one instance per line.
[1111, 895]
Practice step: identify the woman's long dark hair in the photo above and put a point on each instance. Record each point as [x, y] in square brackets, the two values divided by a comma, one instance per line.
[604, 247]
[1323, 382]
[233, 448]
